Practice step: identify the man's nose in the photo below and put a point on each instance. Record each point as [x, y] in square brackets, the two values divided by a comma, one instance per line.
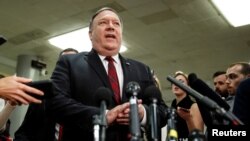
[228, 81]
[110, 26]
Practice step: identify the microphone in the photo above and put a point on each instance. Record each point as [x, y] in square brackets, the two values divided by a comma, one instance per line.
[132, 90]
[172, 134]
[103, 98]
[96, 122]
[206, 101]
[200, 86]
[152, 95]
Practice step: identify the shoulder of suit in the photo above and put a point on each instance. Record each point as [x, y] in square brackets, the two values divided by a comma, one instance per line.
[132, 61]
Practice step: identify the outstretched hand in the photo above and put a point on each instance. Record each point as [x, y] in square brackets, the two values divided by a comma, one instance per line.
[13, 88]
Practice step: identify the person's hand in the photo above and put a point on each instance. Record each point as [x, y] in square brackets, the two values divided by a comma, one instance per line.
[123, 117]
[13, 88]
[112, 114]
[140, 110]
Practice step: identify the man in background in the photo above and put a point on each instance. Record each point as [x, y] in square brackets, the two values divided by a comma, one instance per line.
[236, 73]
[68, 51]
[220, 84]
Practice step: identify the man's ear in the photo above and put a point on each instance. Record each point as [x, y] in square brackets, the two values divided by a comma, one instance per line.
[90, 35]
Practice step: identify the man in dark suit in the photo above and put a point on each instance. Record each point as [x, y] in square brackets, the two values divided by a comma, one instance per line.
[241, 75]
[242, 102]
[77, 77]
[236, 73]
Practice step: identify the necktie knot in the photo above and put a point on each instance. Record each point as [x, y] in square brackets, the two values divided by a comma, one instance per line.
[109, 59]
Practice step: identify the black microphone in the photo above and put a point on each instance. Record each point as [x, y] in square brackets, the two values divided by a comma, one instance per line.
[132, 90]
[152, 95]
[103, 98]
[200, 86]
[206, 101]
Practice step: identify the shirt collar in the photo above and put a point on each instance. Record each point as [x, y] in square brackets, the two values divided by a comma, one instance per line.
[115, 57]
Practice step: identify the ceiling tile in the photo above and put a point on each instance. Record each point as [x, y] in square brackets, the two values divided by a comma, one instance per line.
[158, 17]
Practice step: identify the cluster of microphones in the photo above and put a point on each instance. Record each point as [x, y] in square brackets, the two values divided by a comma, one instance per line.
[198, 89]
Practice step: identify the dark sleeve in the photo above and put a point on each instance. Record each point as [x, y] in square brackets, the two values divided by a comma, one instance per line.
[242, 100]
[62, 106]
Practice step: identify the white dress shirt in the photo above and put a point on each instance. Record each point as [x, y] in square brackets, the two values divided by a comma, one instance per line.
[119, 71]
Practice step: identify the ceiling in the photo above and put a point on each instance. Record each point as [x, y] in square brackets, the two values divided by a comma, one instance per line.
[167, 35]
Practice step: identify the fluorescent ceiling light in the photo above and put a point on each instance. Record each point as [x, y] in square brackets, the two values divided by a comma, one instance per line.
[78, 40]
[237, 12]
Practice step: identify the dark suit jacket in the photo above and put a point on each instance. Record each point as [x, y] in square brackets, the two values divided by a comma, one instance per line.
[242, 102]
[76, 78]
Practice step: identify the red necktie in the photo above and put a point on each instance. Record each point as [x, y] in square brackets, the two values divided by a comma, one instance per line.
[113, 79]
[60, 132]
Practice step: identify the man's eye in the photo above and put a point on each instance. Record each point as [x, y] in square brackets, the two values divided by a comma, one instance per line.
[232, 76]
[102, 22]
[117, 23]
[220, 83]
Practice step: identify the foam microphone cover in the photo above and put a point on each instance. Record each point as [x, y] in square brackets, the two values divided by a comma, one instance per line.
[200, 86]
[132, 88]
[192, 77]
[103, 94]
[205, 112]
[151, 92]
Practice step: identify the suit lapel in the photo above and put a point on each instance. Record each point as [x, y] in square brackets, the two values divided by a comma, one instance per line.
[96, 64]
[127, 75]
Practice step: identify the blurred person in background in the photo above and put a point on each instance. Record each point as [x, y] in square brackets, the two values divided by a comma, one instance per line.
[238, 87]
[188, 113]
[236, 73]
[220, 84]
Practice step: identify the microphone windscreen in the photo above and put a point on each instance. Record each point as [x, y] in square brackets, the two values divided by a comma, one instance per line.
[132, 88]
[151, 92]
[200, 86]
[103, 94]
[192, 77]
